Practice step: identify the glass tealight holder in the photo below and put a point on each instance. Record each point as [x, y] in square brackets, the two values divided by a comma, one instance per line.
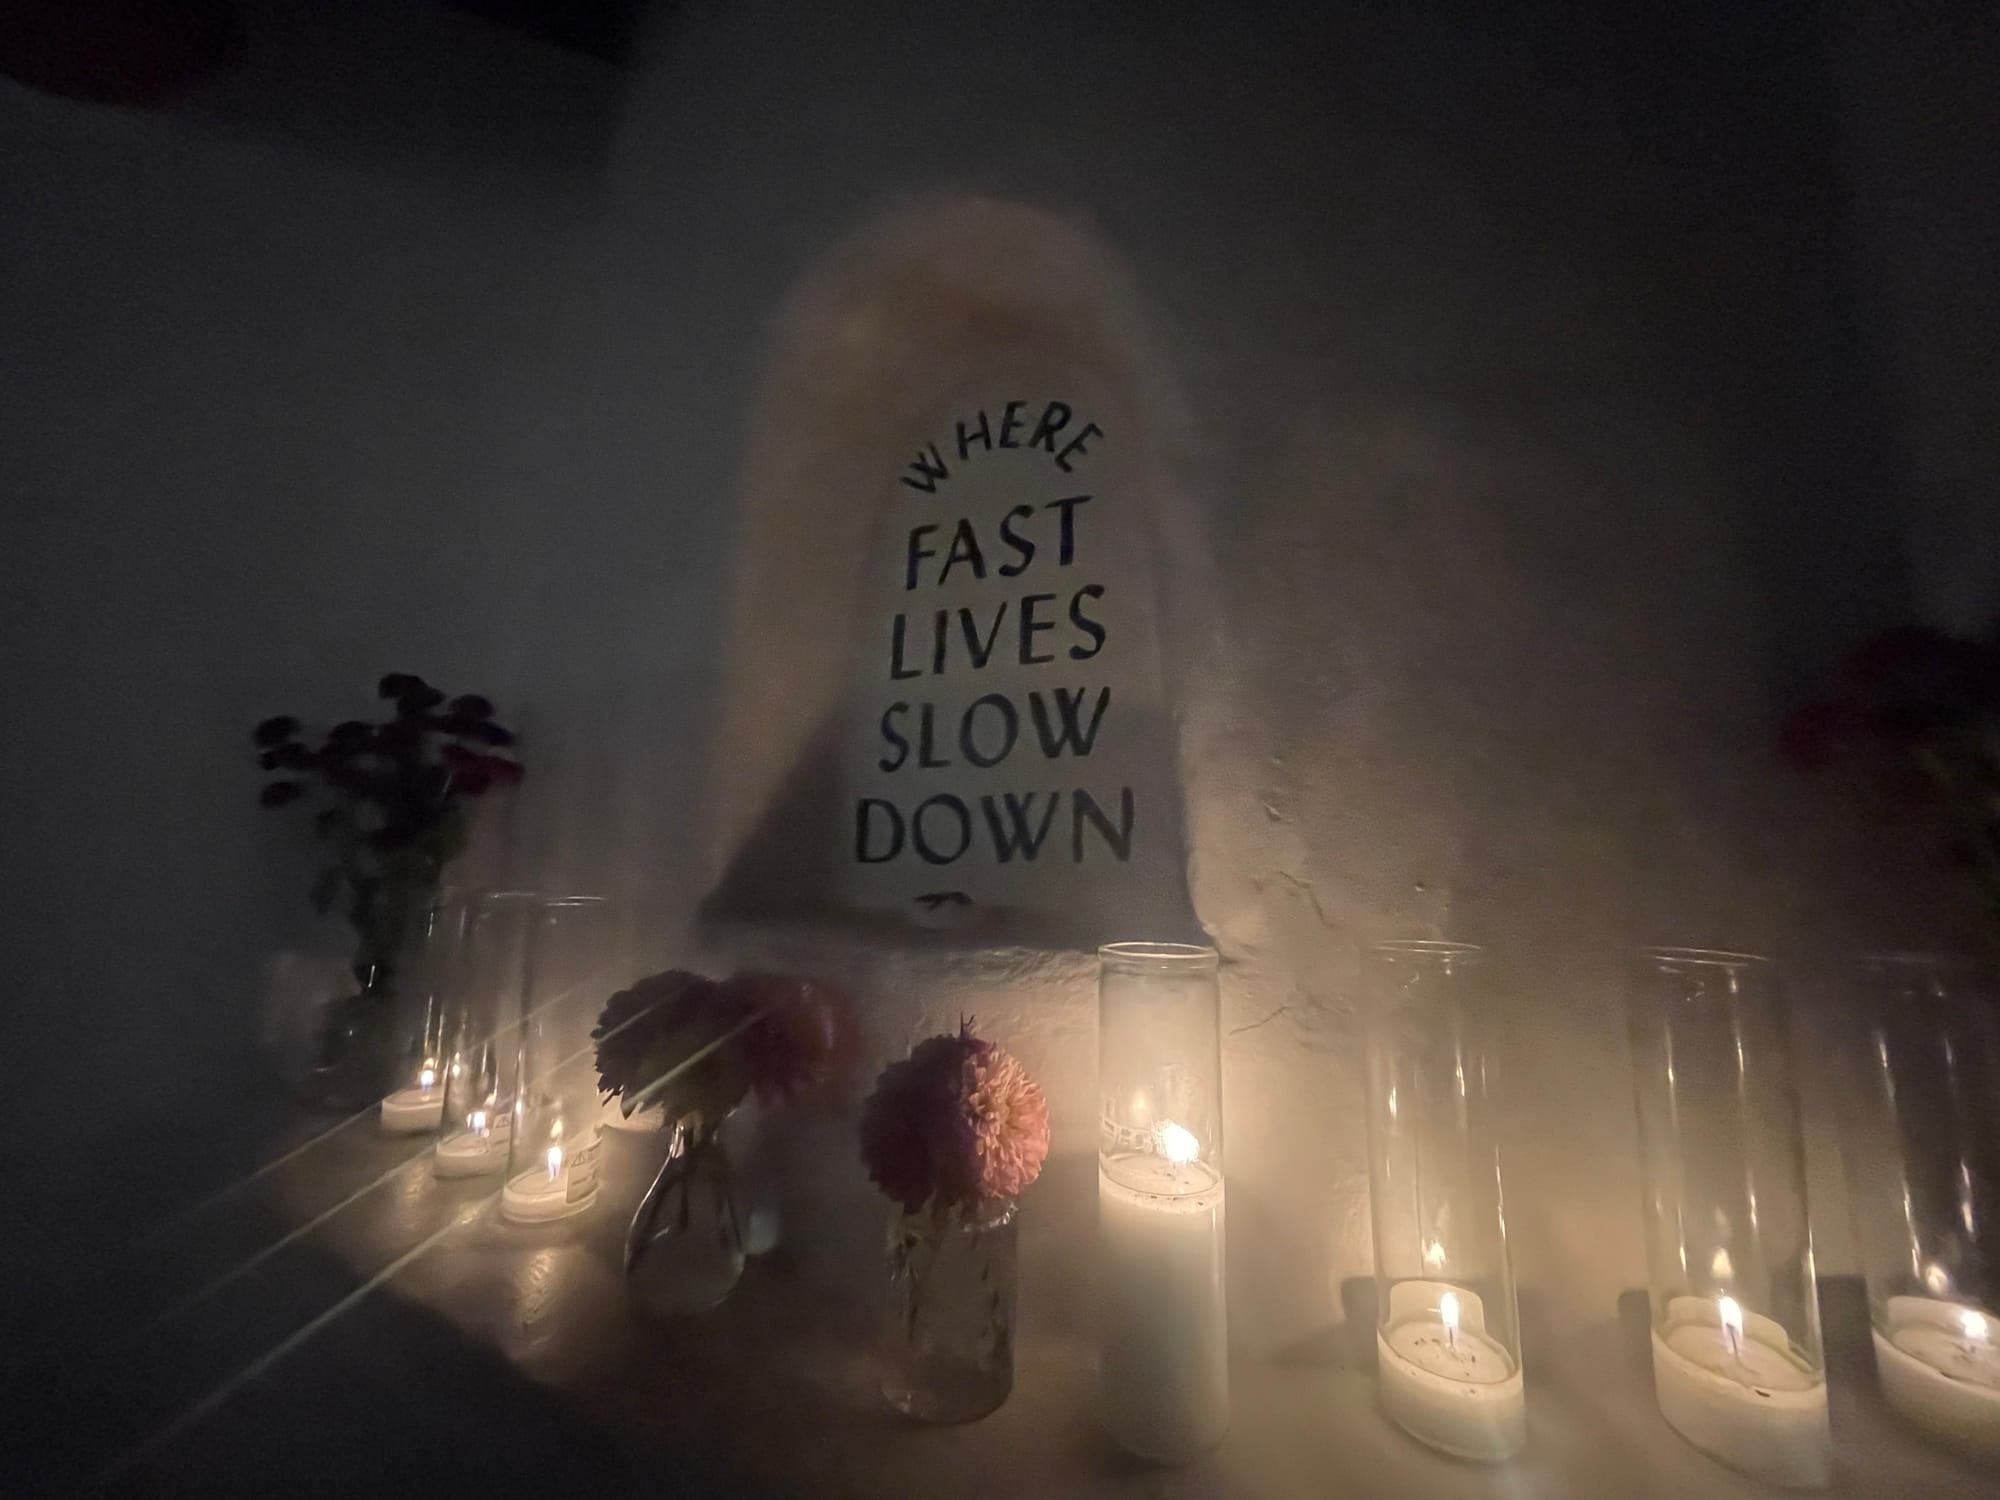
[1448, 1334]
[553, 1148]
[415, 1106]
[1738, 1366]
[482, 1036]
[1164, 1359]
[1922, 1143]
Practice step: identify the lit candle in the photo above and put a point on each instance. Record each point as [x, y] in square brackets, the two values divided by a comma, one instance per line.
[1939, 1363]
[1443, 1380]
[478, 1147]
[562, 1183]
[1729, 1382]
[1165, 1366]
[416, 1108]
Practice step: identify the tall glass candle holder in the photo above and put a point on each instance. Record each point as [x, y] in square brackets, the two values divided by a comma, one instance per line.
[553, 1146]
[1737, 1361]
[482, 1043]
[1922, 1145]
[1448, 1335]
[416, 1105]
[1164, 1363]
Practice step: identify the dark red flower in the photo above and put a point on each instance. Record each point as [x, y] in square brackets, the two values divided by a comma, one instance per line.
[400, 685]
[805, 1035]
[649, 1031]
[493, 734]
[470, 706]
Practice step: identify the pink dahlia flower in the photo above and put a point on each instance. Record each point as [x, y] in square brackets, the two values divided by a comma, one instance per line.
[958, 1122]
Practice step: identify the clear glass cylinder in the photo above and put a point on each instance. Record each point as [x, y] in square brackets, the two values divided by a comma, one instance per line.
[1922, 1143]
[481, 1031]
[552, 1161]
[1448, 1333]
[1164, 1361]
[948, 1343]
[415, 1102]
[1738, 1366]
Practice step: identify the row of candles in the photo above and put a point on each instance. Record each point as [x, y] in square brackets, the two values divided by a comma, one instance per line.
[1737, 1360]
[1738, 1365]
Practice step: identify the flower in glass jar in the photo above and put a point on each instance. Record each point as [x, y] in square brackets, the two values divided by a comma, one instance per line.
[956, 1124]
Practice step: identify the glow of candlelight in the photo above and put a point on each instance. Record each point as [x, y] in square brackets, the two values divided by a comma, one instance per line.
[1972, 1324]
[1178, 1143]
[476, 1122]
[1732, 1324]
[555, 1162]
[427, 1076]
[1448, 1311]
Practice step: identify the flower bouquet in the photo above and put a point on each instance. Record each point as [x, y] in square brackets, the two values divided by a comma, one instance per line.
[697, 1048]
[953, 1134]
[390, 803]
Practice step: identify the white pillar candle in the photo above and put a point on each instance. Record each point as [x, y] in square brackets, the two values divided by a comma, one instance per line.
[479, 1148]
[1939, 1364]
[564, 1183]
[1728, 1382]
[416, 1108]
[1164, 1379]
[1443, 1380]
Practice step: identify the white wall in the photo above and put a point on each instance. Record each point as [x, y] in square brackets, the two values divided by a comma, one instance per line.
[1523, 464]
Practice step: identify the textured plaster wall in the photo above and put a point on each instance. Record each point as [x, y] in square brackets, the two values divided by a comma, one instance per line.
[1516, 468]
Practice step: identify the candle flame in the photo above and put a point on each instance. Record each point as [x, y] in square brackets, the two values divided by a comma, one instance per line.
[555, 1162]
[1732, 1322]
[426, 1077]
[1448, 1310]
[1178, 1143]
[1972, 1323]
[476, 1122]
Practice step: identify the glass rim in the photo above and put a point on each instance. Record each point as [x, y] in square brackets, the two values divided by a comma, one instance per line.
[1924, 958]
[577, 899]
[1160, 955]
[1438, 946]
[1725, 958]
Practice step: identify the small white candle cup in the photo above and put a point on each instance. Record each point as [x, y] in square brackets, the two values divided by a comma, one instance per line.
[1443, 1380]
[1939, 1365]
[1738, 1368]
[1921, 1139]
[1163, 1374]
[1448, 1333]
[1730, 1383]
[476, 1145]
[413, 1110]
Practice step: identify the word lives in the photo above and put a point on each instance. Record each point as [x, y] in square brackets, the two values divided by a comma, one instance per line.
[988, 690]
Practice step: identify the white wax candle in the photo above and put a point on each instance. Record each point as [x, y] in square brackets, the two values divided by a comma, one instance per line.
[1939, 1363]
[1728, 1382]
[413, 1110]
[1443, 1380]
[478, 1147]
[564, 1183]
[1164, 1376]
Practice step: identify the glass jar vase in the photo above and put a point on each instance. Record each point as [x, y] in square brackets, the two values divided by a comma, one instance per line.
[948, 1342]
[684, 1250]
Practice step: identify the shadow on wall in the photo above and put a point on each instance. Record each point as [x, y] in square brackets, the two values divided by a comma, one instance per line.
[917, 334]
